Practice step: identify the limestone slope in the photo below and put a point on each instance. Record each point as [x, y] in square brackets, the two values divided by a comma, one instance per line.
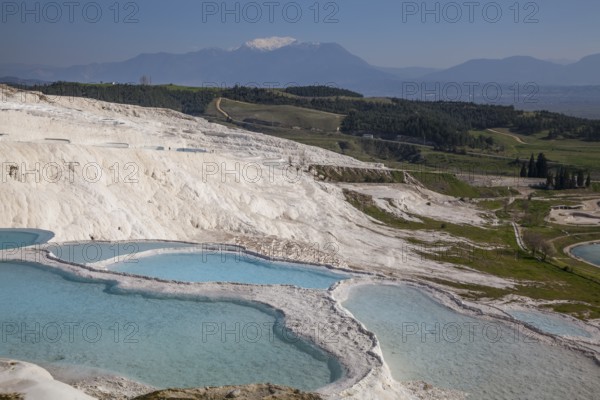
[92, 170]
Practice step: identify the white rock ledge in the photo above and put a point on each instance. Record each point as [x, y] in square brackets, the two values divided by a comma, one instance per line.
[34, 382]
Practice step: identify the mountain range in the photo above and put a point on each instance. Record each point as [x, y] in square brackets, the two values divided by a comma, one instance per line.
[288, 61]
[293, 63]
[523, 69]
[279, 62]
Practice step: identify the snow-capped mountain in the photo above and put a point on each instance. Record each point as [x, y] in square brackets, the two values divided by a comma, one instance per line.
[270, 44]
[270, 62]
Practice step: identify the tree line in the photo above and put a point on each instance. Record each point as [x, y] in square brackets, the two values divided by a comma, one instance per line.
[560, 178]
[558, 126]
[320, 91]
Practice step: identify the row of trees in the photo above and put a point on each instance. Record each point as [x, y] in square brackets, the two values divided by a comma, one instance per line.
[535, 169]
[563, 179]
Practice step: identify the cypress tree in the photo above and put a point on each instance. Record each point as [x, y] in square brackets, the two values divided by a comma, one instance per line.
[531, 173]
[588, 181]
[524, 170]
[541, 166]
[560, 179]
[580, 179]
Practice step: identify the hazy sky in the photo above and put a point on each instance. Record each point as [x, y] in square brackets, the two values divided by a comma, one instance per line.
[384, 32]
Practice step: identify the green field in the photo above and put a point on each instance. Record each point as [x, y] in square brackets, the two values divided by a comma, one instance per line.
[289, 117]
[569, 152]
[575, 154]
[306, 126]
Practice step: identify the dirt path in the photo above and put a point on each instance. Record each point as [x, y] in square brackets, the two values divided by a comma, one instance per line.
[518, 139]
[518, 236]
[219, 109]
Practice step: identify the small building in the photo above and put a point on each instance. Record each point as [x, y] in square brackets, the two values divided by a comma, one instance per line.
[368, 136]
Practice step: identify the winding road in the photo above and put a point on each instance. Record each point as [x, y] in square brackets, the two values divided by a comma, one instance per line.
[518, 139]
[219, 109]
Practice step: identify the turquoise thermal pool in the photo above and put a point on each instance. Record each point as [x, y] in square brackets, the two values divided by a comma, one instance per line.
[92, 252]
[16, 238]
[588, 252]
[423, 340]
[228, 267]
[56, 320]
[554, 325]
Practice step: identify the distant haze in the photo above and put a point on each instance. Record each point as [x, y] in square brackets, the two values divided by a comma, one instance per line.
[523, 81]
[285, 61]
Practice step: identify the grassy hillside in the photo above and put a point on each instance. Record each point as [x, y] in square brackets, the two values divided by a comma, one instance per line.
[566, 151]
[282, 116]
[310, 127]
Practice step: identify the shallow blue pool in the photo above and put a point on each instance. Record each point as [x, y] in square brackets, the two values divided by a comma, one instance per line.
[15, 238]
[589, 252]
[423, 340]
[50, 319]
[229, 267]
[92, 252]
[549, 323]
